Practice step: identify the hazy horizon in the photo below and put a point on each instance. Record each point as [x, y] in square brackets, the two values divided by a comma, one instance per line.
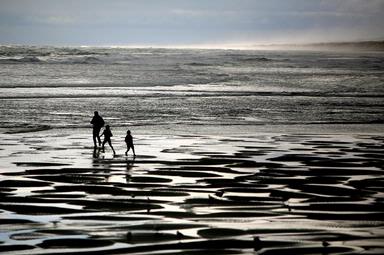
[336, 45]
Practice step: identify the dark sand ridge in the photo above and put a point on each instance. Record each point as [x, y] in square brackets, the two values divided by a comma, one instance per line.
[276, 194]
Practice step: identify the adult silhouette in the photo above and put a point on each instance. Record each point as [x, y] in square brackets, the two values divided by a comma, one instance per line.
[97, 123]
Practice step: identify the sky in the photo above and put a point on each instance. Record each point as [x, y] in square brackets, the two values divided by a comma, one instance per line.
[188, 22]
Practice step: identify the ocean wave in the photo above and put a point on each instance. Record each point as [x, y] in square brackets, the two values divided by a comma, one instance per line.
[70, 60]
[51, 55]
[199, 64]
[247, 58]
[20, 60]
[256, 59]
[68, 55]
[26, 129]
[193, 93]
[16, 51]
[83, 60]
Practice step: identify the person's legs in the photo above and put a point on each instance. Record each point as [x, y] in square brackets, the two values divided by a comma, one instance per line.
[110, 144]
[96, 135]
[103, 147]
[126, 152]
[133, 149]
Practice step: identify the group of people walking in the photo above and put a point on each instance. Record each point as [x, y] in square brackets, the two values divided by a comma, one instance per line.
[97, 123]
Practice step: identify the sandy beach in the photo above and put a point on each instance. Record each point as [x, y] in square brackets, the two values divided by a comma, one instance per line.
[257, 127]
[270, 193]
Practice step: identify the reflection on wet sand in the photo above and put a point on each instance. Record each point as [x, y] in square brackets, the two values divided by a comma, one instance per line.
[272, 193]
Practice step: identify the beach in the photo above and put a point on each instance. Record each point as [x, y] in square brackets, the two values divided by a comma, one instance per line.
[238, 151]
[267, 193]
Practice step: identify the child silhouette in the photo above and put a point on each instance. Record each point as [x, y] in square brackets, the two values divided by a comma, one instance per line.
[129, 142]
[107, 138]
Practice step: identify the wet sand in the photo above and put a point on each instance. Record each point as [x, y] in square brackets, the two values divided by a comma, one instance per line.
[264, 194]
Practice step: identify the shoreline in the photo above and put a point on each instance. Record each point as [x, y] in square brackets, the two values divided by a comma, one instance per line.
[216, 129]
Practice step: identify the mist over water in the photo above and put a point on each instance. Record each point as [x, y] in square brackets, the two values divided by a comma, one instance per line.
[61, 87]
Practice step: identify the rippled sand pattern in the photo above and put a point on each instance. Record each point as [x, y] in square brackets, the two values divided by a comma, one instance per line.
[267, 194]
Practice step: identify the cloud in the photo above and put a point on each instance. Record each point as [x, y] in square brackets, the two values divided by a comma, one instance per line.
[202, 13]
[366, 7]
[56, 20]
[189, 21]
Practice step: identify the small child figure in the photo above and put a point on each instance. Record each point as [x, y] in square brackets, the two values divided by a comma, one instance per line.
[129, 142]
[107, 138]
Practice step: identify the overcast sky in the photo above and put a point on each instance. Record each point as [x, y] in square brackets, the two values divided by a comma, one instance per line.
[188, 22]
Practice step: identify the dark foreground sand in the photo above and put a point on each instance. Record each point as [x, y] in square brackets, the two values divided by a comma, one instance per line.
[266, 194]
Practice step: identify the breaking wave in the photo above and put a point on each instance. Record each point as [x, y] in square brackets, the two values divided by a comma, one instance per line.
[26, 129]
[20, 60]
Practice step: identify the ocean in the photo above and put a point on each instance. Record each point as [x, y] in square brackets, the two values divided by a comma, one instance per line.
[160, 89]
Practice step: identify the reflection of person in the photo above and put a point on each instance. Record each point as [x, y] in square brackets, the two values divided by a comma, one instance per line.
[97, 122]
[129, 142]
[96, 152]
[128, 176]
[107, 138]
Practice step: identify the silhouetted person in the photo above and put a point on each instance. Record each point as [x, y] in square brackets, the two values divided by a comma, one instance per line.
[129, 142]
[107, 138]
[97, 122]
